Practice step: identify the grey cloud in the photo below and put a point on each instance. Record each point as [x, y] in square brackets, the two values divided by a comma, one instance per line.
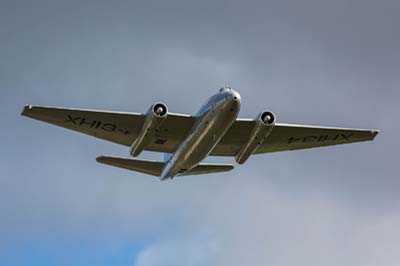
[259, 224]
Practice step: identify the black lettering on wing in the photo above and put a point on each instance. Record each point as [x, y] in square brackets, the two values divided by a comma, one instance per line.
[347, 136]
[309, 139]
[293, 140]
[88, 123]
[109, 127]
[72, 120]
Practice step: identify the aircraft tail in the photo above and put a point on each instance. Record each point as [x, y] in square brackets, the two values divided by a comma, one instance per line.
[155, 167]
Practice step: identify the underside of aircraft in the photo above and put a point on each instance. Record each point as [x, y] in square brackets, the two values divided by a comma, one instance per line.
[188, 139]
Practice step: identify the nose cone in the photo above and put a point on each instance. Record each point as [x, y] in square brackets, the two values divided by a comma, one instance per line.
[231, 93]
[235, 99]
[235, 96]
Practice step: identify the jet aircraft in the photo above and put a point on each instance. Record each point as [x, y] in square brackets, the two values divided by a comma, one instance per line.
[188, 139]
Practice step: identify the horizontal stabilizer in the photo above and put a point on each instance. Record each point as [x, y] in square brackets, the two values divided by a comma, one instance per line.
[207, 168]
[143, 166]
[155, 168]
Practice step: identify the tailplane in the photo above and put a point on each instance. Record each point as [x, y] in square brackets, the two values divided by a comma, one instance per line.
[155, 167]
[143, 166]
[208, 168]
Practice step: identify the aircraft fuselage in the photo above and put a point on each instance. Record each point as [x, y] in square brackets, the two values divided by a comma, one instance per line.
[215, 117]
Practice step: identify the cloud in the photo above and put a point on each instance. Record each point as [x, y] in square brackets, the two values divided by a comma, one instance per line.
[259, 224]
[191, 251]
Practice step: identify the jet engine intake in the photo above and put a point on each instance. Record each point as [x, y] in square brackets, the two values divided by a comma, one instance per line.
[264, 123]
[155, 116]
[160, 109]
[267, 117]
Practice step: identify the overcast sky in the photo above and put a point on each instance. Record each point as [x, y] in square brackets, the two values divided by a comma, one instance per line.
[331, 63]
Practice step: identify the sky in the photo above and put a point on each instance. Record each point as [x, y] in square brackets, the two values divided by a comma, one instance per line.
[329, 63]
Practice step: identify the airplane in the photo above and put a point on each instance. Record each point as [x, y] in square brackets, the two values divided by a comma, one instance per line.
[186, 140]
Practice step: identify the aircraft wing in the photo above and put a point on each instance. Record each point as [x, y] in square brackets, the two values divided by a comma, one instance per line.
[118, 127]
[289, 137]
[123, 127]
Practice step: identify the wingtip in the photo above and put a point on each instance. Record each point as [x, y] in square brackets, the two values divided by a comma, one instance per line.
[99, 159]
[374, 133]
[26, 109]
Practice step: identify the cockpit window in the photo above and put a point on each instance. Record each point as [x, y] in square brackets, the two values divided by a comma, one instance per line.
[225, 88]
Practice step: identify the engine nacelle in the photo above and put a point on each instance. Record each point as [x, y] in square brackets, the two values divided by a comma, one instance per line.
[155, 116]
[265, 121]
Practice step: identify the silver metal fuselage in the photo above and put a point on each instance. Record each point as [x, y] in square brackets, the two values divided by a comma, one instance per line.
[214, 119]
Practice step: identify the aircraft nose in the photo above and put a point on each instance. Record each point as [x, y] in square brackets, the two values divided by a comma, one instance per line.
[235, 96]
